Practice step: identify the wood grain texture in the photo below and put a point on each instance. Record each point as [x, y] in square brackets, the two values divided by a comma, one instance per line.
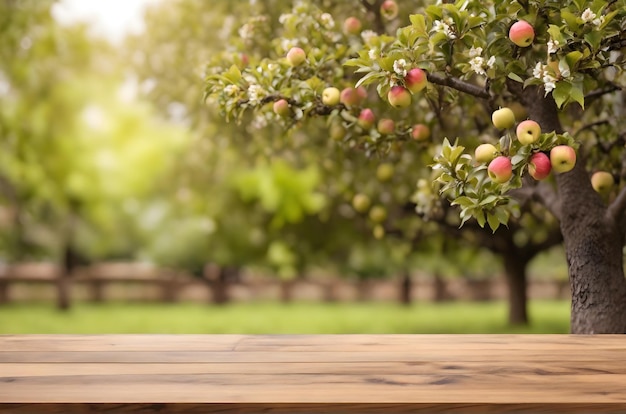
[312, 373]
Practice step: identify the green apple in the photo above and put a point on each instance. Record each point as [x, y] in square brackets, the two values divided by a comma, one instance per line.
[602, 182]
[522, 33]
[330, 96]
[281, 107]
[337, 131]
[503, 118]
[539, 166]
[379, 232]
[386, 126]
[378, 214]
[484, 153]
[399, 97]
[563, 158]
[385, 172]
[352, 26]
[420, 132]
[361, 202]
[296, 56]
[500, 169]
[415, 80]
[528, 132]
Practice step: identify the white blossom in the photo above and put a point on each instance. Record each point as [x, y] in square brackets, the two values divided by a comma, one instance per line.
[588, 16]
[255, 93]
[246, 31]
[475, 51]
[491, 62]
[538, 70]
[439, 26]
[399, 66]
[477, 64]
[373, 53]
[259, 122]
[327, 20]
[284, 17]
[368, 35]
[598, 21]
[549, 85]
[231, 90]
[553, 46]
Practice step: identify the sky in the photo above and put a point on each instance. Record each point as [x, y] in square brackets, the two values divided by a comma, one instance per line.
[110, 18]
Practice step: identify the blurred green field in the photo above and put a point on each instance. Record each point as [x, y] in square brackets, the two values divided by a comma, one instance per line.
[277, 318]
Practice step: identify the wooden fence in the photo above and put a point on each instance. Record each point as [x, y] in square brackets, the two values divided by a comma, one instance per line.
[140, 282]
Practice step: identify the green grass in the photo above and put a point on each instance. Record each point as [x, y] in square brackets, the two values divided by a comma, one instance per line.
[297, 318]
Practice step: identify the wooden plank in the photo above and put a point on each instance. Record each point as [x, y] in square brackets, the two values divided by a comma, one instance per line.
[354, 373]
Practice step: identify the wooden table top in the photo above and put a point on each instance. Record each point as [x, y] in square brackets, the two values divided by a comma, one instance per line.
[310, 373]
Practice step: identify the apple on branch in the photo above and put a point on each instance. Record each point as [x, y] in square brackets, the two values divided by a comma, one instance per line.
[389, 9]
[399, 97]
[484, 153]
[330, 96]
[503, 118]
[352, 26]
[352, 96]
[415, 80]
[386, 126]
[562, 158]
[296, 56]
[528, 132]
[602, 182]
[366, 118]
[281, 108]
[361, 202]
[385, 172]
[420, 132]
[522, 33]
[539, 166]
[500, 169]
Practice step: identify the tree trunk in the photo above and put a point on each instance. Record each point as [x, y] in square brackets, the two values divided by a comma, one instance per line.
[64, 282]
[406, 286]
[286, 290]
[593, 239]
[515, 271]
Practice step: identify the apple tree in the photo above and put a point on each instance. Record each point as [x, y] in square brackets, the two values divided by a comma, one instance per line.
[560, 64]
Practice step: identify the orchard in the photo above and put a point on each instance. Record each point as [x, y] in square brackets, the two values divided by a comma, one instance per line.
[455, 67]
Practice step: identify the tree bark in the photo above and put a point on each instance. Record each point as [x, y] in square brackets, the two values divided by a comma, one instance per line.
[593, 240]
[406, 286]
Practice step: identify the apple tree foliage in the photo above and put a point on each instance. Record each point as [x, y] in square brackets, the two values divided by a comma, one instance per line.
[569, 80]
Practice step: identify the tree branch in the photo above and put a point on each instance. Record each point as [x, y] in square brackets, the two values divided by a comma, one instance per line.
[618, 207]
[459, 85]
[598, 93]
[542, 193]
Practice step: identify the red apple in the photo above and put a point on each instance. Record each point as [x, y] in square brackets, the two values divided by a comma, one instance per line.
[563, 158]
[484, 153]
[539, 166]
[420, 132]
[503, 118]
[386, 126]
[522, 33]
[415, 80]
[366, 118]
[296, 56]
[352, 25]
[389, 9]
[281, 107]
[399, 97]
[352, 96]
[528, 132]
[500, 170]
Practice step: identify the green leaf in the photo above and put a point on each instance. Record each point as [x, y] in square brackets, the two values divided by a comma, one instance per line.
[576, 94]
[515, 77]
[561, 93]
[493, 221]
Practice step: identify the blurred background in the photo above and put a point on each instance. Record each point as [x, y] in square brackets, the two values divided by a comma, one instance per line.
[128, 204]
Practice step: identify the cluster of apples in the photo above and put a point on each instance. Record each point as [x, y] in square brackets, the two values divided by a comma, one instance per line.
[562, 158]
[354, 97]
[400, 96]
